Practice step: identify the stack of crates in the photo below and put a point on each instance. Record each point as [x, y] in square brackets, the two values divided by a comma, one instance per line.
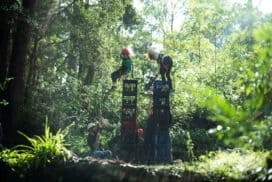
[162, 117]
[129, 115]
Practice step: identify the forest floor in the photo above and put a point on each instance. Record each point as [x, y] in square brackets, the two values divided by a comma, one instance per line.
[92, 169]
[223, 166]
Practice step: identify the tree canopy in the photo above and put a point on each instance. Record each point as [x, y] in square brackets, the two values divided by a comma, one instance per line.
[57, 56]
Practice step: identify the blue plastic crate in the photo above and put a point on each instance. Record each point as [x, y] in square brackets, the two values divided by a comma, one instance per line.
[161, 101]
[130, 87]
[162, 115]
[161, 138]
[129, 101]
[129, 113]
[158, 88]
[163, 154]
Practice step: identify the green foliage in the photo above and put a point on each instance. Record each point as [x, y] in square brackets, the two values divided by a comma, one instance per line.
[74, 65]
[239, 125]
[3, 87]
[130, 18]
[3, 102]
[215, 68]
[233, 164]
[190, 142]
[76, 138]
[43, 151]
[17, 159]
[190, 146]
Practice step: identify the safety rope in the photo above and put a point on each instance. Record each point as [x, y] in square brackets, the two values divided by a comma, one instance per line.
[132, 70]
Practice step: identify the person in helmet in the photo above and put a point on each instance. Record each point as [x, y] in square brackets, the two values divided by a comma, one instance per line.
[165, 63]
[93, 136]
[93, 140]
[125, 68]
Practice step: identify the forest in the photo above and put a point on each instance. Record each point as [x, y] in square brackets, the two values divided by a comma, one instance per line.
[57, 59]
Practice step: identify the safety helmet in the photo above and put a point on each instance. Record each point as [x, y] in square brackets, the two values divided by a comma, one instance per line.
[140, 132]
[91, 125]
[125, 52]
[152, 54]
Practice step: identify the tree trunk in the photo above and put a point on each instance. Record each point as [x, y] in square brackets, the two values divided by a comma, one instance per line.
[90, 75]
[5, 29]
[15, 91]
[31, 70]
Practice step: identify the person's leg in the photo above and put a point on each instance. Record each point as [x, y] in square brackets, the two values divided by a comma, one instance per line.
[167, 63]
[108, 154]
[114, 76]
[98, 154]
[162, 73]
[168, 76]
[123, 71]
[165, 87]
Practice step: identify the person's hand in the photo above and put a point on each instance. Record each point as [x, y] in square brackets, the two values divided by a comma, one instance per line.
[100, 118]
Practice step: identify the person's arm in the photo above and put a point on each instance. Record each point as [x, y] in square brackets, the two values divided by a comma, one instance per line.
[159, 69]
[97, 141]
[103, 123]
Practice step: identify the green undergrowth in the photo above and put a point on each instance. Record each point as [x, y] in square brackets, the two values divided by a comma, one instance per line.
[43, 151]
[240, 165]
[232, 164]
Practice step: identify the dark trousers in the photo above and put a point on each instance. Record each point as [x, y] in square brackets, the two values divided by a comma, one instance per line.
[117, 74]
[166, 73]
[165, 70]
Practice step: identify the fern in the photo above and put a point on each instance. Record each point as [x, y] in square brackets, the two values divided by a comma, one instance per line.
[42, 151]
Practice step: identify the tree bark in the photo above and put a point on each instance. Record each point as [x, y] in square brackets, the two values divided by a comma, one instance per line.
[31, 70]
[16, 87]
[5, 30]
[90, 75]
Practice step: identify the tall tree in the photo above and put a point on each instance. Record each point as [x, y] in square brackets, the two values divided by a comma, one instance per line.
[6, 17]
[16, 87]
